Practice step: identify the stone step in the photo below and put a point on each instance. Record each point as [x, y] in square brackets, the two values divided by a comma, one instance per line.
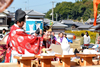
[8, 65]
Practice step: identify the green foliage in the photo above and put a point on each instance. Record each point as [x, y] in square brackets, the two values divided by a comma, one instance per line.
[81, 9]
[79, 18]
[84, 1]
[48, 14]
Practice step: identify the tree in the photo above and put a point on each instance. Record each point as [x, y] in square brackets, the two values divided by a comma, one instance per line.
[84, 1]
[75, 11]
[79, 18]
[48, 14]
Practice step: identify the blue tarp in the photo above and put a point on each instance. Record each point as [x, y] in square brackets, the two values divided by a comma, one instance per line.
[69, 40]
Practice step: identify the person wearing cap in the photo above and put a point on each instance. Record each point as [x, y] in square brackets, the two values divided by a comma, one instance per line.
[19, 42]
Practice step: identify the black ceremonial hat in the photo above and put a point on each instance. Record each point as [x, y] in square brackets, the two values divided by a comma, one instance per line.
[19, 14]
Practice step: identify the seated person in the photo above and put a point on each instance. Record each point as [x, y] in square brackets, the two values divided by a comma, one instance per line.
[53, 36]
[64, 44]
[47, 39]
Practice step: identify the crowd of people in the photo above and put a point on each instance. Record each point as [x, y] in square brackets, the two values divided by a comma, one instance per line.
[20, 43]
[85, 39]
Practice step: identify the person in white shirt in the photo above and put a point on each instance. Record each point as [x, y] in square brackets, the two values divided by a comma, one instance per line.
[86, 39]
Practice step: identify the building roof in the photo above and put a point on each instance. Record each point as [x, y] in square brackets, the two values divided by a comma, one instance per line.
[91, 29]
[92, 21]
[46, 20]
[78, 23]
[3, 15]
[35, 13]
[71, 28]
[85, 26]
[67, 22]
[6, 12]
[89, 20]
[56, 23]
[71, 22]
[12, 15]
[94, 27]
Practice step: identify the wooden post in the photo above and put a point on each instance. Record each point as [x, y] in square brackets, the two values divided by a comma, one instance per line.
[25, 63]
[86, 59]
[46, 62]
[65, 59]
[39, 64]
[60, 62]
[18, 63]
[66, 62]
[99, 59]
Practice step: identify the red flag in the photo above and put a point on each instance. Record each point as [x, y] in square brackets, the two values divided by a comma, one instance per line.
[95, 6]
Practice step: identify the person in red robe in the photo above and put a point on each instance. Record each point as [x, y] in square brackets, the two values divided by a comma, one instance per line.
[19, 41]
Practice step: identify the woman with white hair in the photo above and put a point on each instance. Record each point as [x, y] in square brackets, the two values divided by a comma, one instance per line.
[64, 44]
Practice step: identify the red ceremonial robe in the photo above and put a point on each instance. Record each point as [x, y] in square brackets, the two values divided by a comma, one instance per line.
[21, 41]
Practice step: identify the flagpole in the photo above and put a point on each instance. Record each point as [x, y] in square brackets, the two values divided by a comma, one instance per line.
[52, 9]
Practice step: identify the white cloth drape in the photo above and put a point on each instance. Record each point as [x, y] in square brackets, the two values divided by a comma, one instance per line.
[65, 46]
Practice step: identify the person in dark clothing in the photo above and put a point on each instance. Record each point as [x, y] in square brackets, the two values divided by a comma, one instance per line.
[69, 40]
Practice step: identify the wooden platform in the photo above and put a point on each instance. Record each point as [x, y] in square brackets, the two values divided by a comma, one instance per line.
[86, 59]
[54, 64]
[24, 61]
[88, 66]
[8, 65]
